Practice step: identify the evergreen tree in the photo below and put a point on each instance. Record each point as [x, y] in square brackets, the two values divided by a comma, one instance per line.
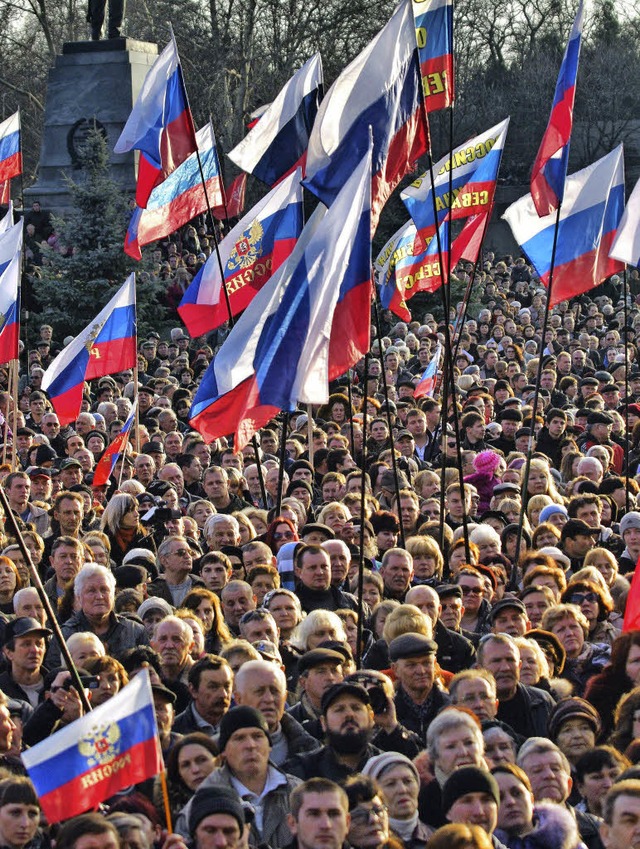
[88, 265]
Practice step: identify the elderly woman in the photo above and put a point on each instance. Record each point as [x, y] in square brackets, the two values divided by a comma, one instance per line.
[121, 523]
[584, 659]
[574, 726]
[596, 604]
[318, 627]
[399, 784]
[454, 739]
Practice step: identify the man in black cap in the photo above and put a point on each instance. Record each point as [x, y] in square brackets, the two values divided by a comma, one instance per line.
[576, 540]
[471, 796]
[510, 420]
[217, 819]
[418, 697]
[318, 670]
[245, 746]
[598, 432]
[509, 616]
[25, 647]
[348, 725]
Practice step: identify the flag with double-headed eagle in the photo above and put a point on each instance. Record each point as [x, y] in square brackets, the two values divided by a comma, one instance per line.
[91, 759]
[256, 247]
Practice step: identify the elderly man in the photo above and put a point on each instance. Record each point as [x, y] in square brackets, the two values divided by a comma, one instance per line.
[549, 772]
[176, 562]
[418, 697]
[221, 530]
[210, 685]
[245, 747]
[94, 589]
[263, 685]
[525, 709]
[397, 573]
[237, 599]
[173, 640]
[455, 652]
[340, 558]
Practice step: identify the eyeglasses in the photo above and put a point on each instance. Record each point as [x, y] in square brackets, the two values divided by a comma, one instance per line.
[578, 598]
[364, 815]
[471, 590]
[181, 552]
[284, 535]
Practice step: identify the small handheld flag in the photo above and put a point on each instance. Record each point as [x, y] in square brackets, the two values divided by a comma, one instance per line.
[160, 125]
[107, 462]
[91, 759]
[430, 375]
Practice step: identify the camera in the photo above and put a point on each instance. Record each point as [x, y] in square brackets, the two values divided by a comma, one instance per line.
[89, 682]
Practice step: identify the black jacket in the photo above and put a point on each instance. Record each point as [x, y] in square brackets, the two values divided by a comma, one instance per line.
[536, 709]
[455, 652]
[324, 763]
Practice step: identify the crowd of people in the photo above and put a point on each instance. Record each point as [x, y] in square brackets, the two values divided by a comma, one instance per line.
[347, 644]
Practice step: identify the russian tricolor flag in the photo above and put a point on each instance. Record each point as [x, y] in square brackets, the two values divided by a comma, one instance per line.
[160, 125]
[434, 32]
[10, 150]
[550, 167]
[382, 90]
[179, 198]
[91, 759]
[589, 217]
[10, 273]
[106, 346]
[107, 462]
[277, 143]
[472, 168]
[278, 353]
[255, 248]
[430, 375]
[626, 245]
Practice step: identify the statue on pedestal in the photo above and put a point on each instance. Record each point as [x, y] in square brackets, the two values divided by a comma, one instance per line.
[95, 16]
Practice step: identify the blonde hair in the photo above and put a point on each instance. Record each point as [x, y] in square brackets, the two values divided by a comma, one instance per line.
[406, 619]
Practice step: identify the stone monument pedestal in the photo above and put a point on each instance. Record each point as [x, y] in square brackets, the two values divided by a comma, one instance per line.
[92, 83]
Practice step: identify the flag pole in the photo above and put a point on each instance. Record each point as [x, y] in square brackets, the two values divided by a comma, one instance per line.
[14, 441]
[536, 393]
[44, 598]
[449, 361]
[625, 294]
[310, 451]
[394, 463]
[363, 501]
[136, 376]
[350, 396]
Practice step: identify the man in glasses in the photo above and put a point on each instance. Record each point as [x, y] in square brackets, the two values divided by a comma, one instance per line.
[313, 576]
[176, 562]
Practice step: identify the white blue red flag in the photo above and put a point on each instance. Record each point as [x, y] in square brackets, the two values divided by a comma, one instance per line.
[106, 346]
[86, 762]
[234, 194]
[549, 170]
[626, 245]
[434, 33]
[106, 463]
[277, 144]
[381, 89]
[179, 198]
[427, 383]
[10, 149]
[589, 217]
[278, 354]
[160, 125]
[10, 273]
[255, 248]
[404, 267]
[473, 170]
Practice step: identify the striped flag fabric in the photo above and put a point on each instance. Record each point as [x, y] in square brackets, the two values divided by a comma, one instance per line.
[86, 762]
[434, 32]
[277, 143]
[626, 245]
[106, 346]
[10, 148]
[589, 217]
[549, 170]
[160, 125]
[10, 274]
[106, 463]
[429, 377]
